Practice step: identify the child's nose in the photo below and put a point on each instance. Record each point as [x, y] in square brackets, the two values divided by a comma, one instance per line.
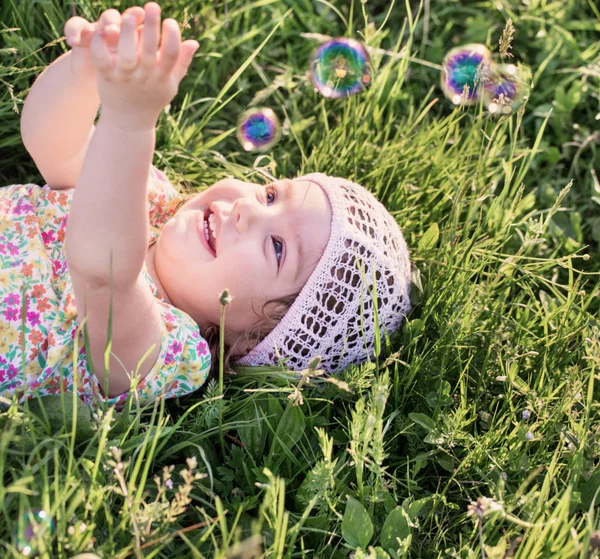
[245, 212]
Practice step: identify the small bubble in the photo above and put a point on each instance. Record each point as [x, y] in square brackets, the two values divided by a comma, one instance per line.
[340, 68]
[258, 129]
[35, 524]
[465, 67]
[506, 88]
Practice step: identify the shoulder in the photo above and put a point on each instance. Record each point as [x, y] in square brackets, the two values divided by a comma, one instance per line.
[183, 362]
[24, 197]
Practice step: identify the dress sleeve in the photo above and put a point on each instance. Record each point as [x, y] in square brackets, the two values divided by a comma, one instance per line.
[163, 198]
[182, 365]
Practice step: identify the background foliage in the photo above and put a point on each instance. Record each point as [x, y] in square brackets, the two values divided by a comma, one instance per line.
[476, 432]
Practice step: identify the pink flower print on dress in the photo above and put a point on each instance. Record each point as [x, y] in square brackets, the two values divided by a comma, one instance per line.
[58, 267]
[12, 314]
[33, 318]
[13, 249]
[12, 299]
[48, 237]
[169, 358]
[202, 348]
[12, 372]
[23, 206]
[176, 347]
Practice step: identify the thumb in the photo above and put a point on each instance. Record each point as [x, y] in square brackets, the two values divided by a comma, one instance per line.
[186, 54]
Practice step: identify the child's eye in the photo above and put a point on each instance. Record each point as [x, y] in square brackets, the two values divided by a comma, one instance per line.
[271, 194]
[278, 245]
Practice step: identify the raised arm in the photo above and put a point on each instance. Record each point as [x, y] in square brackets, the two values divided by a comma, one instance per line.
[58, 116]
[58, 119]
[109, 213]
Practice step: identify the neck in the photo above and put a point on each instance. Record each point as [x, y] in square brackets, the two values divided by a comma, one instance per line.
[154, 275]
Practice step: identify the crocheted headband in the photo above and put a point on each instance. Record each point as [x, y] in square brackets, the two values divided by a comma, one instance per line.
[333, 316]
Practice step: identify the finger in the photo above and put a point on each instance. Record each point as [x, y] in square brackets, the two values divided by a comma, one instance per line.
[137, 12]
[99, 53]
[110, 16]
[73, 29]
[169, 46]
[127, 56]
[186, 55]
[110, 21]
[87, 34]
[150, 35]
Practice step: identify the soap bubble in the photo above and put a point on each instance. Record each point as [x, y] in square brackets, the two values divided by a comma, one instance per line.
[34, 525]
[506, 89]
[258, 129]
[469, 66]
[340, 68]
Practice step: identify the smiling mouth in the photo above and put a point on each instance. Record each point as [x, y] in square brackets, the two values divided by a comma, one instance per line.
[209, 232]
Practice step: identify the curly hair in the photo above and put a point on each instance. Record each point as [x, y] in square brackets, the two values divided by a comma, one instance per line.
[271, 313]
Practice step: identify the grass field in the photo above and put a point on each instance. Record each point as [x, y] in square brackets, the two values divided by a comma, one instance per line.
[477, 432]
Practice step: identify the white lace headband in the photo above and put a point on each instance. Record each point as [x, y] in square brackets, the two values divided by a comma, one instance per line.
[333, 316]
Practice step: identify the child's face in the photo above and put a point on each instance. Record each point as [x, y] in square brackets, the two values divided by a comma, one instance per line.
[259, 234]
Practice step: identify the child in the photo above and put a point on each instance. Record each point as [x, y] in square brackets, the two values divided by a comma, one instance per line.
[307, 249]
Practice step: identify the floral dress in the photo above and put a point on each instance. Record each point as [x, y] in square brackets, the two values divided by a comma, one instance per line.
[41, 343]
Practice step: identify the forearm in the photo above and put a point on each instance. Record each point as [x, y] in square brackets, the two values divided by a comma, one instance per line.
[58, 115]
[109, 211]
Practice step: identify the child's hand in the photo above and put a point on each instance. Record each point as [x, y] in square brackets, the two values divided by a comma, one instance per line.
[138, 80]
[79, 32]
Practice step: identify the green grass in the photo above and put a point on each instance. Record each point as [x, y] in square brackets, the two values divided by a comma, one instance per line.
[502, 218]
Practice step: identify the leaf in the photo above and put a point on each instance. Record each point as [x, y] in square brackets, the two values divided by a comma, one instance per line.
[59, 411]
[441, 396]
[423, 420]
[396, 527]
[445, 462]
[589, 490]
[259, 419]
[429, 238]
[289, 431]
[414, 508]
[357, 528]
[434, 437]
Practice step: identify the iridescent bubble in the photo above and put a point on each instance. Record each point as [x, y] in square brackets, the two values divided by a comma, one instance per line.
[340, 68]
[34, 525]
[506, 89]
[464, 70]
[258, 129]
